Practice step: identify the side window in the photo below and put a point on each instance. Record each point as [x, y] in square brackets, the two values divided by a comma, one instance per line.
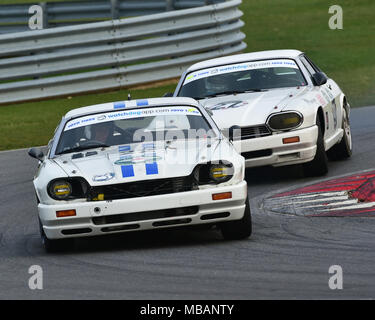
[308, 66]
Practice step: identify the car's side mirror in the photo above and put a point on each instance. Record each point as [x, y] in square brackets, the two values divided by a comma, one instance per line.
[168, 95]
[36, 153]
[319, 78]
[234, 133]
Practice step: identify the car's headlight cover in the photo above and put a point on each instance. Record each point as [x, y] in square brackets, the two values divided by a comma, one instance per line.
[284, 120]
[214, 173]
[60, 189]
[67, 189]
[220, 172]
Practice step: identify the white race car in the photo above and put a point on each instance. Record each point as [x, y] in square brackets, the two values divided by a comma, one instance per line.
[137, 165]
[286, 110]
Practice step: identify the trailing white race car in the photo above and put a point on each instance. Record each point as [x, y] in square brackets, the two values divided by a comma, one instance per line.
[137, 165]
[288, 110]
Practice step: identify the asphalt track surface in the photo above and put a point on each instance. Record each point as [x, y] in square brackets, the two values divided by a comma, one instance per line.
[287, 257]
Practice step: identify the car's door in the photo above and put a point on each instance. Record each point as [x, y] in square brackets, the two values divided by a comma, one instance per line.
[325, 94]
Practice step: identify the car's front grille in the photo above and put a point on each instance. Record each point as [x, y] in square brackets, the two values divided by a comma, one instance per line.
[254, 132]
[141, 188]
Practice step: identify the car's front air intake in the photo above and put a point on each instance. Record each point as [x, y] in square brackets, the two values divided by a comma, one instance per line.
[141, 188]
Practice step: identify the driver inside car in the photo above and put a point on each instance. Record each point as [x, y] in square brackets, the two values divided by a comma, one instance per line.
[102, 132]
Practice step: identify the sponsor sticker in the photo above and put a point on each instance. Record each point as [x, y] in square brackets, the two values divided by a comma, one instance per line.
[126, 159]
[274, 63]
[148, 146]
[135, 159]
[131, 114]
[103, 177]
[124, 148]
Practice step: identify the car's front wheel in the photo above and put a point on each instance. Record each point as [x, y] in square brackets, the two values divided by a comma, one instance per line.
[343, 149]
[239, 229]
[55, 245]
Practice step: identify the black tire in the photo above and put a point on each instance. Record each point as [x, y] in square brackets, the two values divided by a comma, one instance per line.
[343, 149]
[239, 229]
[59, 245]
[319, 165]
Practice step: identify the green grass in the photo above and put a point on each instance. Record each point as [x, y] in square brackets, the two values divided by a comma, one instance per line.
[347, 56]
[33, 123]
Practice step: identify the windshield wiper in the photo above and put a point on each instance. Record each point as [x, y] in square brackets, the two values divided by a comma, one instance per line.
[85, 147]
[234, 92]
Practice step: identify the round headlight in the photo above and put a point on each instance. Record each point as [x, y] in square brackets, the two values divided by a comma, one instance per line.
[285, 121]
[221, 173]
[60, 189]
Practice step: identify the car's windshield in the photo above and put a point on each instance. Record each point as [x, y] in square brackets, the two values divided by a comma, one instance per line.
[132, 126]
[242, 77]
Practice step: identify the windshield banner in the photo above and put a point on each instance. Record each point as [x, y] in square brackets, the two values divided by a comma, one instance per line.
[279, 63]
[131, 114]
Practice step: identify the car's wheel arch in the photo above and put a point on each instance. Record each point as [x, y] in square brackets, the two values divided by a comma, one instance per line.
[346, 106]
[320, 116]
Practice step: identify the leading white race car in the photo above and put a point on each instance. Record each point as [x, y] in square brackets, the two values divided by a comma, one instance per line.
[137, 165]
[288, 110]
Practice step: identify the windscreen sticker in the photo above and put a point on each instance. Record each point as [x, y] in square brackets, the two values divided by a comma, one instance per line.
[279, 63]
[131, 114]
[142, 103]
[119, 105]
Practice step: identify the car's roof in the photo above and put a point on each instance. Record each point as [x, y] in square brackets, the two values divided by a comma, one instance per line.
[269, 54]
[140, 103]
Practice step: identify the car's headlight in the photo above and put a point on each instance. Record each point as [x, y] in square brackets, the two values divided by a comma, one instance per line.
[285, 121]
[67, 189]
[214, 173]
[221, 173]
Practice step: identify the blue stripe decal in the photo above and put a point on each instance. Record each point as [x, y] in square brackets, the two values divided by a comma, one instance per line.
[142, 103]
[119, 105]
[127, 171]
[152, 168]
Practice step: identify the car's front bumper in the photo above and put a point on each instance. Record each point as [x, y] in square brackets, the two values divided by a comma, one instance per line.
[271, 150]
[85, 223]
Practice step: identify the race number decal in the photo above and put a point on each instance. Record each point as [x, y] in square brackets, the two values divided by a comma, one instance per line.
[228, 105]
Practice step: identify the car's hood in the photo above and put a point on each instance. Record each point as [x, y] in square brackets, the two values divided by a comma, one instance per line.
[141, 161]
[252, 108]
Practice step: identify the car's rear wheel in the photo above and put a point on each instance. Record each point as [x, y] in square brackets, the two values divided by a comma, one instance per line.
[239, 229]
[319, 165]
[343, 149]
[55, 245]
